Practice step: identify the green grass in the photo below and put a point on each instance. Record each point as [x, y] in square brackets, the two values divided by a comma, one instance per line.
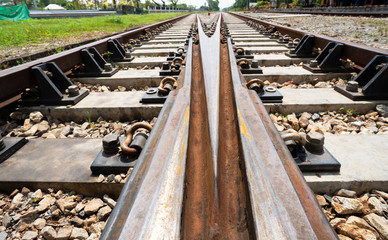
[24, 33]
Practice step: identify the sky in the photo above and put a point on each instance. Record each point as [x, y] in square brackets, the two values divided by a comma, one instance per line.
[198, 3]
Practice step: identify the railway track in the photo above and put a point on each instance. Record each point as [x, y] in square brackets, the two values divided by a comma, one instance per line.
[214, 165]
[366, 11]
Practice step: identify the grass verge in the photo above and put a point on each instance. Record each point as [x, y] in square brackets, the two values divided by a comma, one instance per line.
[35, 31]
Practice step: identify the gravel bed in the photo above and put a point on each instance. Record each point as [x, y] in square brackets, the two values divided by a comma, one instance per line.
[36, 125]
[139, 68]
[357, 217]
[344, 122]
[53, 215]
[372, 32]
[104, 88]
[315, 84]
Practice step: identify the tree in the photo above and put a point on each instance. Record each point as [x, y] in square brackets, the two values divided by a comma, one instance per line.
[213, 5]
[76, 4]
[174, 3]
[157, 4]
[148, 3]
[239, 4]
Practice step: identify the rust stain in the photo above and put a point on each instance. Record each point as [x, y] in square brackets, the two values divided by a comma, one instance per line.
[199, 197]
[233, 197]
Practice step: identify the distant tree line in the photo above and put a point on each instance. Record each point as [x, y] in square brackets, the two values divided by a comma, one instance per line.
[94, 4]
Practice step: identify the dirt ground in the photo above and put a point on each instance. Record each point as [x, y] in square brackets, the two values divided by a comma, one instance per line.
[372, 32]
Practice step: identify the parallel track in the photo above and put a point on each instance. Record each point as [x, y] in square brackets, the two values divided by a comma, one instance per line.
[13, 81]
[359, 54]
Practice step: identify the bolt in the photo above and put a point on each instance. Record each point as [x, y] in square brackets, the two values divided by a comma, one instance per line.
[248, 52]
[128, 54]
[138, 42]
[292, 51]
[255, 64]
[290, 44]
[108, 67]
[314, 142]
[352, 86]
[313, 63]
[166, 66]
[73, 90]
[171, 54]
[110, 144]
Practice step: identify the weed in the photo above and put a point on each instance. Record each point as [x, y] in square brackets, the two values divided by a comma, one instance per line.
[350, 112]
[90, 119]
[115, 19]
[107, 55]
[36, 199]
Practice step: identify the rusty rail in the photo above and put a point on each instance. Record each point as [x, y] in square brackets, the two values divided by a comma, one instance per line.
[360, 55]
[14, 80]
[214, 166]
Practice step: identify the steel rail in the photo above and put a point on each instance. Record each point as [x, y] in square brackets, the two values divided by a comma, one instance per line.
[359, 54]
[14, 80]
[174, 191]
[272, 177]
[149, 206]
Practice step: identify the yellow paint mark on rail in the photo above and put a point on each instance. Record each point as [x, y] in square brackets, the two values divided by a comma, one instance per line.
[243, 127]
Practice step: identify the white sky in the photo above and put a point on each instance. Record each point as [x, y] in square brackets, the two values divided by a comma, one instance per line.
[198, 3]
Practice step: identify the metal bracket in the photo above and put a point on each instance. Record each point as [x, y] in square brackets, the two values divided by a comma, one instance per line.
[9, 146]
[118, 52]
[153, 96]
[252, 68]
[313, 162]
[166, 70]
[95, 65]
[372, 79]
[138, 43]
[54, 88]
[172, 55]
[304, 49]
[114, 163]
[327, 60]
[245, 54]
[310, 161]
[282, 40]
[270, 94]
